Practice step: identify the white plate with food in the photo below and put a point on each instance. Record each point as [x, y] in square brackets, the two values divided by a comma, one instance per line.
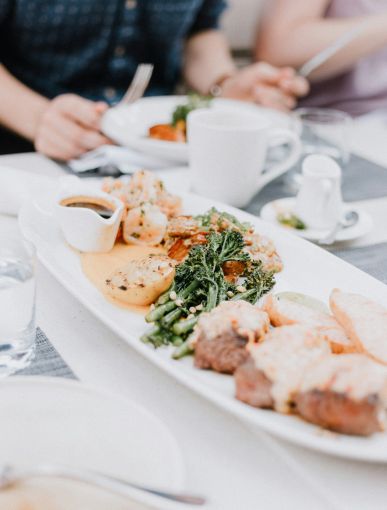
[216, 257]
[280, 212]
[61, 422]
[156, 125]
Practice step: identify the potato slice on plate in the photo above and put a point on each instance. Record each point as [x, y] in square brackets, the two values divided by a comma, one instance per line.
[364, 321]
[288, 308]
[141, 281]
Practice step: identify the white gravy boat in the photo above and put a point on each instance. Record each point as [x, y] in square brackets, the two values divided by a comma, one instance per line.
[84, 228]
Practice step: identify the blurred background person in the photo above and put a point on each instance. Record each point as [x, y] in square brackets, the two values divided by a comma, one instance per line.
[355, 79]
[64, 61]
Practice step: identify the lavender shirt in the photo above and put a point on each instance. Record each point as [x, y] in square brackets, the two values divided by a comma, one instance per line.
[364, 88]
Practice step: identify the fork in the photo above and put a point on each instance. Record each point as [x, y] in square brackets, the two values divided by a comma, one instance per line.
[9, 475]
[138, 85]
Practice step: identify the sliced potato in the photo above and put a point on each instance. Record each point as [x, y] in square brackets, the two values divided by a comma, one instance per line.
[141, 281]
[288, 308]
[364, 321]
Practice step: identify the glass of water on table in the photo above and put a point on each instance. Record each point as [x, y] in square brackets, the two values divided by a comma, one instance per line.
[17, 303]
[322, 131]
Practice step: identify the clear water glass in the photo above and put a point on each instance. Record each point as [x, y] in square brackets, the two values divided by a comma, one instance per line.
[322, 131]
[17, 304]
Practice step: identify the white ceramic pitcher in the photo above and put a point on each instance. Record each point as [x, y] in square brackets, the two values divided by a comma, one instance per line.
[319, 202]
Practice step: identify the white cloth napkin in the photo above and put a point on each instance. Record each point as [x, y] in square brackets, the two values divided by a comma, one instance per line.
[18, 186]
[127, 160]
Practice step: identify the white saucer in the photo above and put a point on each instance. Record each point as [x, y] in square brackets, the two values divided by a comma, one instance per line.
[270, 211]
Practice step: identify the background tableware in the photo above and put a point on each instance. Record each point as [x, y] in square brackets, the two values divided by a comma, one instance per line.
[228, 151]
[348, 220]
[327, 53]
[363, 226]
[319, 201]
[324, 131]
[17, 303]
[308, 269]
[46, 420]
[83, 228]
[129, 125]
[139, 84]
[10, 475]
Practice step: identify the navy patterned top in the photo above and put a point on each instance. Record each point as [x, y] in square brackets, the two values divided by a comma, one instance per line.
[92, 47]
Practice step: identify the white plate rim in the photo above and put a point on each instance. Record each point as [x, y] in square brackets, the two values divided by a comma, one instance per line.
[232, 406]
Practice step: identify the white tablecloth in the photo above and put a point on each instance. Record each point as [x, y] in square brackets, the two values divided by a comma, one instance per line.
[237, 469]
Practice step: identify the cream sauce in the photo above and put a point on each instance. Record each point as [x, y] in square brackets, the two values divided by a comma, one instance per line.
[99, 266]
[284, 355]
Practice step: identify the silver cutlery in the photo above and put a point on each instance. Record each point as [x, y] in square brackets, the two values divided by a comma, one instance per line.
[349, 219]
[138, 85]
[331, 50]
[9, 475]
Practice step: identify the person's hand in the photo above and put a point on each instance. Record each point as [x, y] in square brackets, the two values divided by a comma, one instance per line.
[267, 85]
[69, 127]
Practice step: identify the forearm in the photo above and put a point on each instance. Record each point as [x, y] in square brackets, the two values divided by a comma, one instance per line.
[21, 109]
[296, 43]
[207, 59]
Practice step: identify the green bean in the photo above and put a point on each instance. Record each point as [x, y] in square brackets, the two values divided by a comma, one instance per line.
[185, 326]
[177, 340]
[164, 298]
[157, 313]
[243, 295]
[171, 317]
[183, 350]
[191, 287]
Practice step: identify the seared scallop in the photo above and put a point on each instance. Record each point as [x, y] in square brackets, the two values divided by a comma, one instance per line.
[141, 281]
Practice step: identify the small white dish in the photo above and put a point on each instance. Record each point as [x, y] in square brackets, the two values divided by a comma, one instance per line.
[83, 228]
[270, 211]
[51, 420]
[129, 125]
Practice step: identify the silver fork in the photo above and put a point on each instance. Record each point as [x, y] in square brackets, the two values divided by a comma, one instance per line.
[9, 475]
[138, 85]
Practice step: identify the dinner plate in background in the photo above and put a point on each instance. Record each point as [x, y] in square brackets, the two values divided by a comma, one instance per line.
[129, 125]
[45, 420]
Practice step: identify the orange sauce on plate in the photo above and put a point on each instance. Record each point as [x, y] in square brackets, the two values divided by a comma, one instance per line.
[98, 267]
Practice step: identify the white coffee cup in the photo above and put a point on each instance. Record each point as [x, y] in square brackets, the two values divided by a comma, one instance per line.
[227, 153]
[319, 203]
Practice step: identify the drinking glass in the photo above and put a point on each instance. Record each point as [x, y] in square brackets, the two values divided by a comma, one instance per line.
[322, 131]
[17, 303]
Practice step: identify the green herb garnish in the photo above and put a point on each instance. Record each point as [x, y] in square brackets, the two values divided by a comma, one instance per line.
[194, 102]
[291, 220]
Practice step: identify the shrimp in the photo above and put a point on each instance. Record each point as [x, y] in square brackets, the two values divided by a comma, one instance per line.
[145, 225]
[144, 187]
[171, 205]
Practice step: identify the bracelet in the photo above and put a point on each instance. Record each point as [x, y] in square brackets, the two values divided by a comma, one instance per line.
[216, 89]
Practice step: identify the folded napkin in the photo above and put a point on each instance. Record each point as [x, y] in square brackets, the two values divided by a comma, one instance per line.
[18, 186]
[127, 160]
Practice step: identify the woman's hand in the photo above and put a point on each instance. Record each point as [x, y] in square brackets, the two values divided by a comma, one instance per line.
[267, 85]
[69, 126]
